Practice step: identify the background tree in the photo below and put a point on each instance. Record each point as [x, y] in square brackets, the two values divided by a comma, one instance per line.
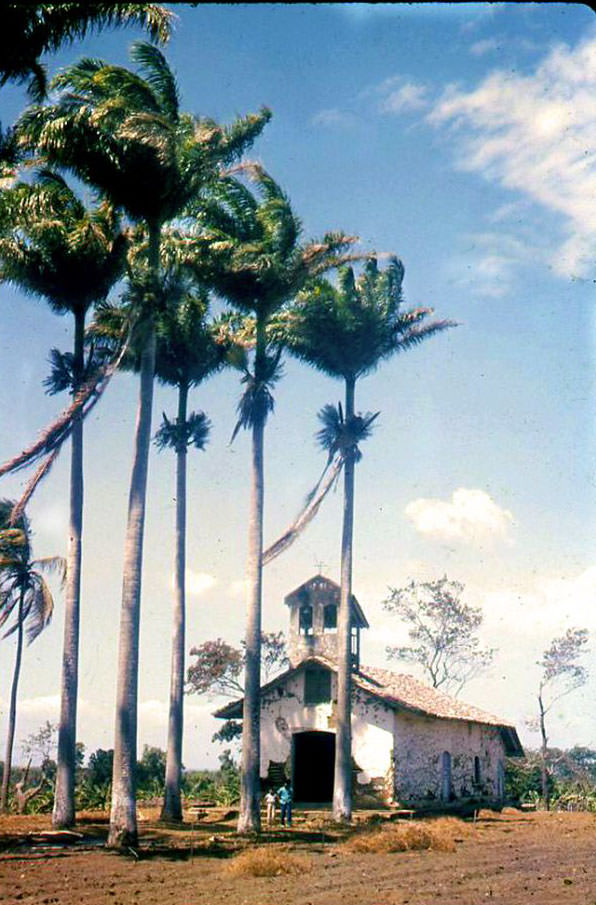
[443, 632]
[259, 265]
[218, 667]
[345, 332]
[33, 29]
[71, 256]
[562, 673]
[218, 670]
[122, 132]
[26, 605]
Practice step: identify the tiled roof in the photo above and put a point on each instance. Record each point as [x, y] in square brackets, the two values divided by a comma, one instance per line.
[396, 689]
[404, 690]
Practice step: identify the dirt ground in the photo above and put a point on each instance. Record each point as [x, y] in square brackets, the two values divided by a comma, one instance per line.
[511, 858]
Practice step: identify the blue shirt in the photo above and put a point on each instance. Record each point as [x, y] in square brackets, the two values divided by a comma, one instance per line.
[285, 794]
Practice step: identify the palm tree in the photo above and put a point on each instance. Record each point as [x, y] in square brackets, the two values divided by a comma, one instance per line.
[71, 256]
[345, 332]
[259, 265]
[25, 596]
[33, 29]
[124, 134]
[188, 352]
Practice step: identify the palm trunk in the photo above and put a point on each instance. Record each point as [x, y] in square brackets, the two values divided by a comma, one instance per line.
[249, 820]
[172, 805]
[12, 712]
[123, 816]
[64, 799]
[342, 789]
[543, 753]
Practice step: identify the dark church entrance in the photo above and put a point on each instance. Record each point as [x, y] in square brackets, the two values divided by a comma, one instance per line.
[313, 758]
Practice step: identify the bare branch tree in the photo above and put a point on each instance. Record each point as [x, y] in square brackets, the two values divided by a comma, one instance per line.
[562, 673]
[442, 630]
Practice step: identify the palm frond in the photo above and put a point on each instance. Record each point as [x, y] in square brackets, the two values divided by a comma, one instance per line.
[312, 505]
[158, 74]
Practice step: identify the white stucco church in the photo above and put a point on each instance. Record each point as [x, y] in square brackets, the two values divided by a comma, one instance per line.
[411, 744]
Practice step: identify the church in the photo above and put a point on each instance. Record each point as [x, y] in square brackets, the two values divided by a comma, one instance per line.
[412, 745]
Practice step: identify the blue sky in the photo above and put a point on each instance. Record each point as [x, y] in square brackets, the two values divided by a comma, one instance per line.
[460, 137]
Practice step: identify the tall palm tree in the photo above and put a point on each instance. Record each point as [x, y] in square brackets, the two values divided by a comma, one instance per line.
[123, 133]
[345, 332]
[259, 265]
[71, 256]
[32, 29]
[188, 352]
[26, 598]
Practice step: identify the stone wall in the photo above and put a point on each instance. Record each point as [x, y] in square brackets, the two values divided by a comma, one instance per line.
[418, 756]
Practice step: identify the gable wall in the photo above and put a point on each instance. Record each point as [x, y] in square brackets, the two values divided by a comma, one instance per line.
[283, 713]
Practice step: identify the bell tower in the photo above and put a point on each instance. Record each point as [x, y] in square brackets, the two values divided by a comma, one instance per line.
[313, 621]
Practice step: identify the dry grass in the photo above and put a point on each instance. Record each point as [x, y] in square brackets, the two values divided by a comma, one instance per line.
[268, 862]
[438, 835]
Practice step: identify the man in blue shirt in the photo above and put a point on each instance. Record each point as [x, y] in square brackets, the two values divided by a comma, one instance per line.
[285, 799]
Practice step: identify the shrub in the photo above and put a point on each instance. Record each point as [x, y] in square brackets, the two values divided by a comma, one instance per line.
[268, 862]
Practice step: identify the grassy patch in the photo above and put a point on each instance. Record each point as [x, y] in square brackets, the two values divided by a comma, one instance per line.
[267, 862]
[438, 835]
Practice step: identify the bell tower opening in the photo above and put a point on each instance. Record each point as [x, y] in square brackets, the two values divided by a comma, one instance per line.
[313, 621]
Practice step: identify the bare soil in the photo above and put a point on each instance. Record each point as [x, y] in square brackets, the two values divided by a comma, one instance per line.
[511, 858]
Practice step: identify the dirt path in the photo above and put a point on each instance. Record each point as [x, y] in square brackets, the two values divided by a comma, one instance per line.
[510, 859]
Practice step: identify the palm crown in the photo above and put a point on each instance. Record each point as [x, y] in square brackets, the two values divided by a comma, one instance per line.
[24, 592]
[257, 259]
[58, 248]
[345, 331]
[123, 133]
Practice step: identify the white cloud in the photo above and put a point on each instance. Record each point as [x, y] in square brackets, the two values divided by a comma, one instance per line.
[197, 582]
[479, 48]
[44, 706]
[471, 516]
[536, 134]
[408, 96]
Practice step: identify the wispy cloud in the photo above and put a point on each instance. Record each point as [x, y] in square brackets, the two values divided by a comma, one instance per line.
[480, 48]
[470, 516]
[334, 117]
[488, 265]
[536, 134]
[408, 96]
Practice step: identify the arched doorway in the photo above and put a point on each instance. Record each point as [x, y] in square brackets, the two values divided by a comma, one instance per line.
[313, 761]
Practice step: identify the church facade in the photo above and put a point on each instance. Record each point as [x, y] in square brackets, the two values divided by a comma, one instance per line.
[411, 744]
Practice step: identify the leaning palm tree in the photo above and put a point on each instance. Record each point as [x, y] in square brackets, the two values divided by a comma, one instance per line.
[188, 352]
[123, 133]
[26, 599]
[345, 332]
[259, 265]
[70, 256]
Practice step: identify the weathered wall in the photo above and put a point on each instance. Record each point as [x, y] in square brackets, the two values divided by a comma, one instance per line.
[417, 758]
[283, 713]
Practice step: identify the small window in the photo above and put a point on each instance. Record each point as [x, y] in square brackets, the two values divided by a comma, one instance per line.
[317, 686]
[477, 771]
[330, 618]
[306, 620]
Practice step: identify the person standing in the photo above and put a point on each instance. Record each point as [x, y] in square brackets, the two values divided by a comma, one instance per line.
[285, 799]
[270, 799]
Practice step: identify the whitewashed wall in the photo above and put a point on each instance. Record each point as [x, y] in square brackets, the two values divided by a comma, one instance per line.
[283, 713]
